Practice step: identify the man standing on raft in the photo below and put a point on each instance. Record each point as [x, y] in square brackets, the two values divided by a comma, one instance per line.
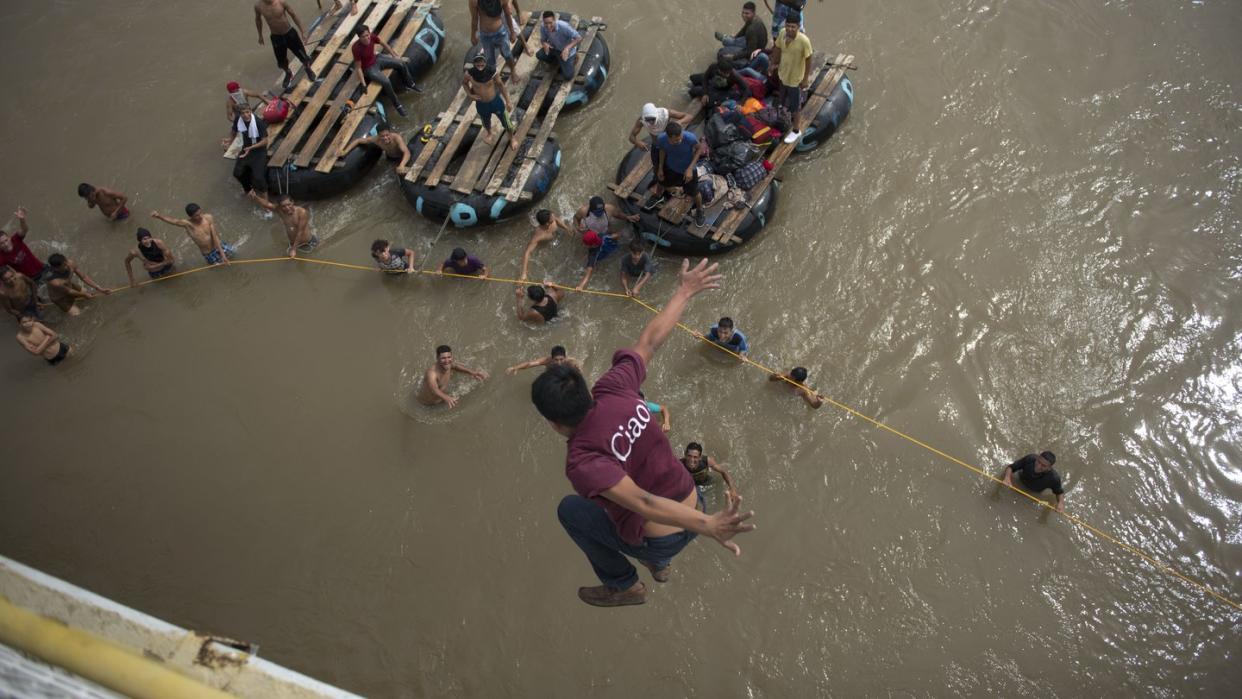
[285, 37]
[634, 497]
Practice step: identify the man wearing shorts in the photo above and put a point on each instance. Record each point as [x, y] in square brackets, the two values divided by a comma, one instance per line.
[791, 63]
[41, 341]
[285, 37]
[110, 202]
[489, 28]
[201, 227]
[679, 151]
[491, 98]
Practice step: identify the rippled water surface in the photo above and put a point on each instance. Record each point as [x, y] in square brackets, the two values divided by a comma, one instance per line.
[1026, 236]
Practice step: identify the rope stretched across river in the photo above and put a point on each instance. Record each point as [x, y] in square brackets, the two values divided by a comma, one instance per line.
[1076, 521]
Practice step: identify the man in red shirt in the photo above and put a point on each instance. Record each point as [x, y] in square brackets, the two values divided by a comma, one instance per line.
[634, 497]
[15, 254]
[371, 67]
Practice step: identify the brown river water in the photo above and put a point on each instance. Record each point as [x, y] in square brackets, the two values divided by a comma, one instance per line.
[1026, 236]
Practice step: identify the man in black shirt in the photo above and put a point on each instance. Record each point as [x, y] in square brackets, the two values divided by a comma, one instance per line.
[251, 166]
[1035, 473]
[752, 37]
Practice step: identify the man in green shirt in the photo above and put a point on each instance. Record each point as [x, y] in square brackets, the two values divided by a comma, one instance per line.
[791, 63]
[752, 37]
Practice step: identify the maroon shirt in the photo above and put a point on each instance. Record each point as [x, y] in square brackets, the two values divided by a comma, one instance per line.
[364, 52]
[620, 438]
[21, 258]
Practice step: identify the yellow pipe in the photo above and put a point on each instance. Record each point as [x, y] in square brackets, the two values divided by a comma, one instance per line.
[97, 659]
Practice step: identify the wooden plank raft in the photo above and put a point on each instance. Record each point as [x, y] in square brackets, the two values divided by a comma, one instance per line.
[330, 116]
[725, 229]
[625, 187]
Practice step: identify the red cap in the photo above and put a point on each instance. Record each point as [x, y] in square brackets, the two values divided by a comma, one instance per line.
[767, 165]
[592, 239]
[232, 87]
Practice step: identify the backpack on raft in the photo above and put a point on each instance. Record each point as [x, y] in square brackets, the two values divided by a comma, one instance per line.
[276, 111]
[719, 132]
[729, 158]
[748, 175]
[750, 106]
[760, 133]
[758, 88]
[773, 117]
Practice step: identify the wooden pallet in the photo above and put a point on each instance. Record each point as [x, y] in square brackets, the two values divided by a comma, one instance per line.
[725, 231]
[327, 115]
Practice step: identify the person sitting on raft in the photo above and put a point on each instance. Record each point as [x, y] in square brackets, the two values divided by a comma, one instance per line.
[1035, 473]
[370, 66]
[679, 152]
[719, 83]
[110, 202]
[157, 258]
[798, 376]
[389, 260]
[546, 225]
[559, 44]
[460, 262]
[201, 227]
[61, 288]
[752, 37]
[297, 223]
[545, 302]
[389, 142]
[491, 98]
[556, 357]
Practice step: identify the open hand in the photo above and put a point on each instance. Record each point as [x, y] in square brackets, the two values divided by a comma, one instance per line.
[451, 402]
[20, 214]
[699, 278]
[729, 522]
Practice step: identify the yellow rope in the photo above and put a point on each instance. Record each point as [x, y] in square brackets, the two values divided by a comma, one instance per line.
[841, 406]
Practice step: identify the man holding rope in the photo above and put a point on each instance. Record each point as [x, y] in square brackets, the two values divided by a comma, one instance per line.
[634, 497]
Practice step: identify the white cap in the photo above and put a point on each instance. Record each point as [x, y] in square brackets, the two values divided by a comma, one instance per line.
[650, 111]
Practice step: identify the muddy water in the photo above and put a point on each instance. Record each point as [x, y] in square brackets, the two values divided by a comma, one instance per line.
[1025, 237]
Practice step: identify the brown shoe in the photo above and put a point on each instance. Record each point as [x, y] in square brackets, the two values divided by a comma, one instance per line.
[604, 596]
[660, 575]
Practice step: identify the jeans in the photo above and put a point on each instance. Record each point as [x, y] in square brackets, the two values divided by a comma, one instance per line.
[753, 73]
[778, 19]
[737, 43]
[376, 74]
[589, 526]
[497, 41]
[567, 67]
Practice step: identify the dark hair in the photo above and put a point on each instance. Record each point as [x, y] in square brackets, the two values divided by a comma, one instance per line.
[383, 126]
[5, 269]
[542, 216]
[1049, 457]
[549, 13]
[360, 29]
[748, 6]
[694, 446]
[85, 190]
[458, 254]
[798, 374]
[636, 245]
[557, 351]
[378, 246]
[191, 209]
[442, 349]
[57, 260]
[534, 292]
[143, 233]
[561, 395]
[793, 18]
[283, 198]
[725, 322]
[673, 129]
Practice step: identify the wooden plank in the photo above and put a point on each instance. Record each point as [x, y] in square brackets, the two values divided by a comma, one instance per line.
[350, 120]
[625, 188]
[674, 210]
[323, 55]
[526, 64]
[450, 148]
[447, 119]
[726, 230]
[550, 117]
[304, 117]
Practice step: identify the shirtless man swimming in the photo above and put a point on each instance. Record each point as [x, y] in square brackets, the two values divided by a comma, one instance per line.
[284, 37]
[438, 377]
[798, 376]
[490, 21]
[201, 228]
[156, 257]
[110, 202]
[18, 293]
[556, 357]
[388, 141]
[41, 341]
[491, 98]
[61, 288]
[546, 226]
[296, 219]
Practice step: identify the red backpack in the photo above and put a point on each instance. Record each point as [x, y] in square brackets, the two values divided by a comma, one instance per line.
[276, 111]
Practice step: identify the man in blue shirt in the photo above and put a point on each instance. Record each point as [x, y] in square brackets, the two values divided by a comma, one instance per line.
[723, 335]
[677, 153]
[560, 43]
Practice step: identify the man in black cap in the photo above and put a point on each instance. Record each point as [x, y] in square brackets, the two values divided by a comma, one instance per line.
[156, 257]
[1035, 473]
[597, 216]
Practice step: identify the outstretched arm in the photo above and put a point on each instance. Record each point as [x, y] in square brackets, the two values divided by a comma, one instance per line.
[721, 526]
[693, 281]
[476, 373]
[86, 279]
[719, 468]
[530, 364]
[179, 222]
[260, 200]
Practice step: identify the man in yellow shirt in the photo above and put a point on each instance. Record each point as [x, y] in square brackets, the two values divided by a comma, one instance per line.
[791, 62]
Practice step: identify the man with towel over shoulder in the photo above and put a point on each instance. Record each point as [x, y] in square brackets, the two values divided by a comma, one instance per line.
[251, 166]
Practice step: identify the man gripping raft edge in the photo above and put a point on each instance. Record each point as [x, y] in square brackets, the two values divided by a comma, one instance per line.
[634, 497]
